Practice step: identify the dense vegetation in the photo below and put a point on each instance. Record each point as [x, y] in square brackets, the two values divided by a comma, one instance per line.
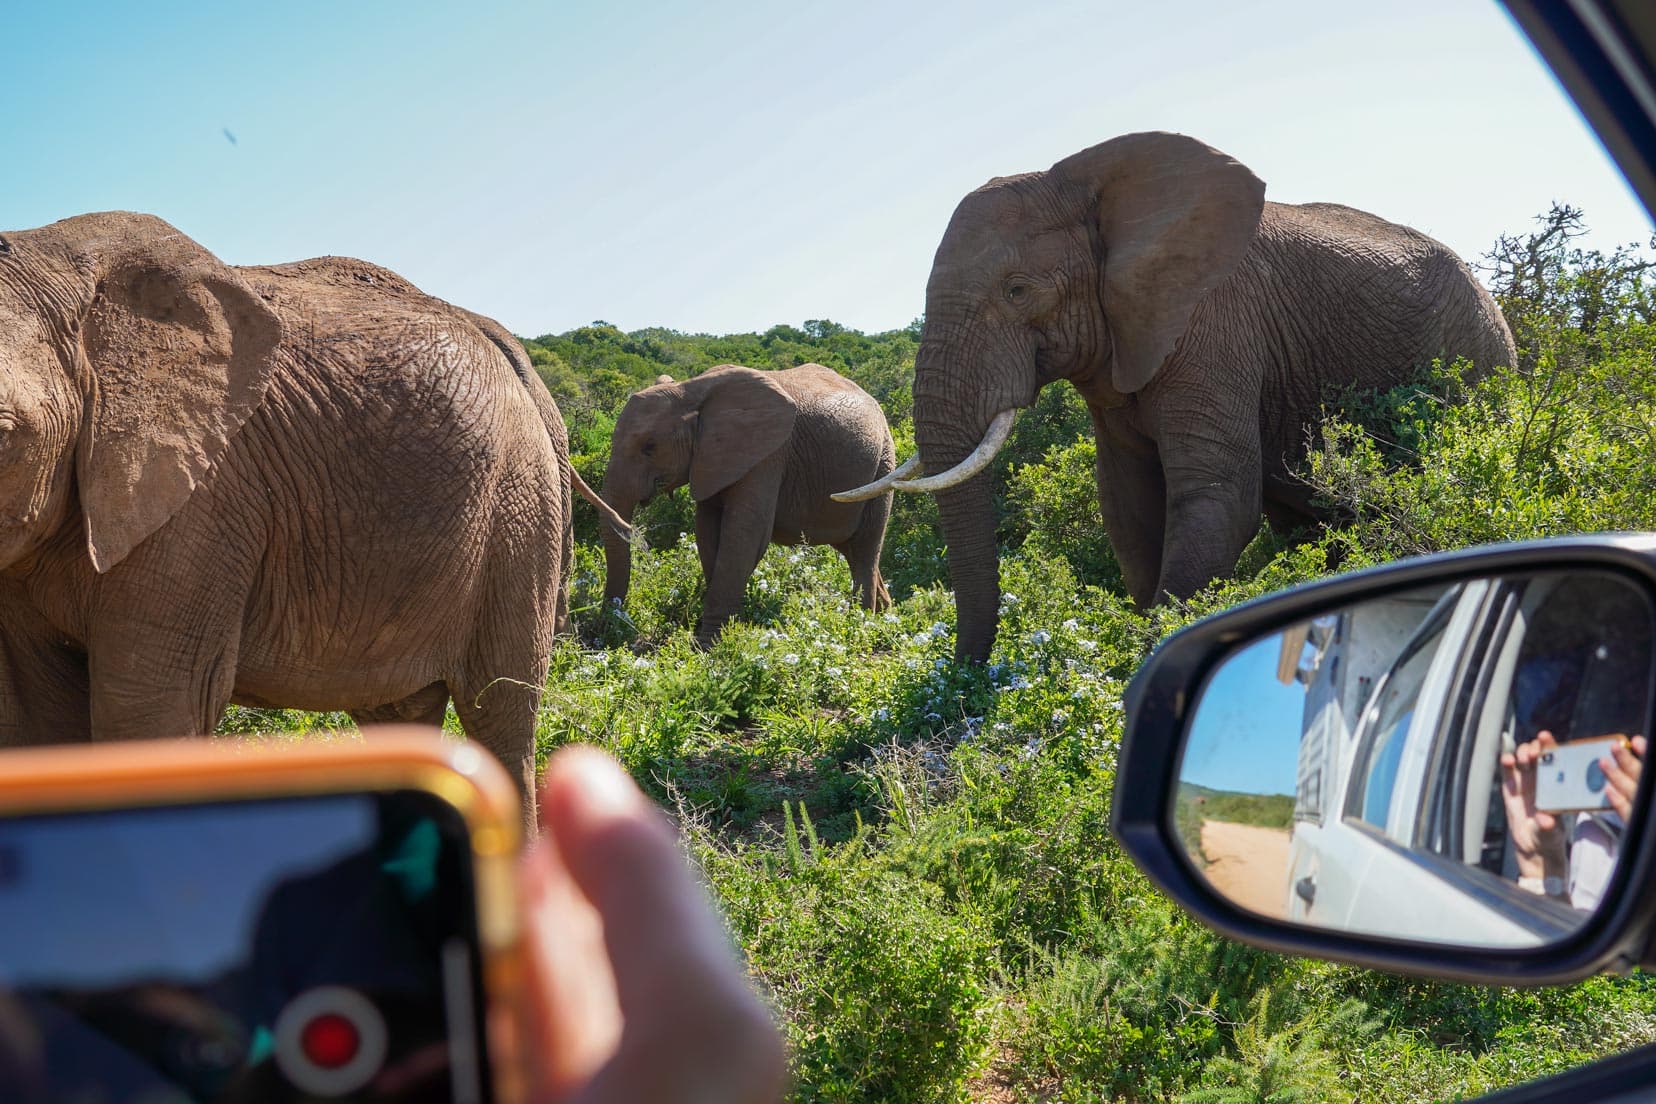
[914, 856]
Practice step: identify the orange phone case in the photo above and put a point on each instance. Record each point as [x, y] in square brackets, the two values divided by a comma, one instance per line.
[83, 777]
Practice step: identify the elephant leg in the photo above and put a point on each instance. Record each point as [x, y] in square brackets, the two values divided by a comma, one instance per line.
[497, 691]
[498, 700]
[423, 707]
[566, 580]
[155, 682]
[708, 519]
[1286, 517]
[501, 717]
[44, 691]
[862, 553]
[1213, 511]
[1132, 500]
[746, 521]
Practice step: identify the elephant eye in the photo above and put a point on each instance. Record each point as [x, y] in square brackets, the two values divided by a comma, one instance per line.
[1016, 290]
[648, 449]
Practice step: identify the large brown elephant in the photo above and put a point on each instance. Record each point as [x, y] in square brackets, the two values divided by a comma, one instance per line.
[761, 452]
[1203, 326]
[308, 485]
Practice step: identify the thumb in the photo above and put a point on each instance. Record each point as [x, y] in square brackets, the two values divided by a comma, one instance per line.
[692, 1028]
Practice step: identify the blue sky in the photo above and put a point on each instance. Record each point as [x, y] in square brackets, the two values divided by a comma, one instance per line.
[1245, 735]
[720, 166]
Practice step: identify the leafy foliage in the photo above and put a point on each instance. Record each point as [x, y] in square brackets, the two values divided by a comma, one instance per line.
[915, 856]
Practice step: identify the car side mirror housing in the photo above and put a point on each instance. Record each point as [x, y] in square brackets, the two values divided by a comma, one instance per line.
[1433, 767]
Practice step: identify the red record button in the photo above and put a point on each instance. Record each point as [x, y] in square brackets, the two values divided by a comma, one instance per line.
[330, 1041]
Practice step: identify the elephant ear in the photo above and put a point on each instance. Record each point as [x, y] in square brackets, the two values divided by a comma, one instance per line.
[180, 352]
[742, 416]
[1175, 218]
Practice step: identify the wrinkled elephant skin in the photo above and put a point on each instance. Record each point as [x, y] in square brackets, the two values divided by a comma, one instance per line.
[307, 485]
[762, 452]
[1204, 327]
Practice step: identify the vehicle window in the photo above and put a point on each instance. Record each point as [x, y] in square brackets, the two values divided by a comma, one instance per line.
[1392, 716]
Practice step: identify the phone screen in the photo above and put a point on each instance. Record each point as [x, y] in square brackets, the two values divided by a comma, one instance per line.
[296, 949]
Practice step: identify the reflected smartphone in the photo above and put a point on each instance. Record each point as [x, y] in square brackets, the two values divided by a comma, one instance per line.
[1568, 778]
[221, 920]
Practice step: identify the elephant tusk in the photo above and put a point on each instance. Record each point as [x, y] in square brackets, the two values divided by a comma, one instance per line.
[878, 487]
[993, 438]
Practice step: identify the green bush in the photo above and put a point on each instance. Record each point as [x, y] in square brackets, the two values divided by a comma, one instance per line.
[881, 986]
[915, 856]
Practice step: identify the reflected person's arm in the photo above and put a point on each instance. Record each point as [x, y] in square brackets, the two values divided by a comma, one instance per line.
[1622, 767]
[1537, 837]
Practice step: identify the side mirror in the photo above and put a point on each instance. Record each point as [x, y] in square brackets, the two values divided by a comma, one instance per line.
[1433, 767]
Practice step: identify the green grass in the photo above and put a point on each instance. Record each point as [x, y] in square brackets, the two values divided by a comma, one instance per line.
[914, 856]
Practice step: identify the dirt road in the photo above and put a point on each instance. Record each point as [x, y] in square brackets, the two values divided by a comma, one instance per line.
[1248, 864]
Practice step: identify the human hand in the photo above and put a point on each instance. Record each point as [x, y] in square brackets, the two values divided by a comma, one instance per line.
[636, 993]
[1622, 768]
[1537, 837]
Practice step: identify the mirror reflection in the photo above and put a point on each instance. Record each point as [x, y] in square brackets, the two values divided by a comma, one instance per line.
[1454, 764]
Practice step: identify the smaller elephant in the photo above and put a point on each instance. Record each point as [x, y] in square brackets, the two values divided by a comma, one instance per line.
[761, 451]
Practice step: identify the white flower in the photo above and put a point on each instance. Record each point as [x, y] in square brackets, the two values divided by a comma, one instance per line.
[1039, 637]
[640, 663]
[938, 629]
[791, 658]
[1087, 645]
[1071, 625]
[882, 714]
[1032, 748]
[1010, 599]
[834, 672]
[891, 619]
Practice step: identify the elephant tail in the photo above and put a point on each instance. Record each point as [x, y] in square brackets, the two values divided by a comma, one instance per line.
[605, 510]
[882, 596]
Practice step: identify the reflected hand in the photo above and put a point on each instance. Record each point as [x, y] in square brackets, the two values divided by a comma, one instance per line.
[1537, 837]
[1622, 767]
[636, 993]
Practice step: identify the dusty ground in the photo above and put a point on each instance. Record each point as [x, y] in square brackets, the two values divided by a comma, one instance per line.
[1248, 864]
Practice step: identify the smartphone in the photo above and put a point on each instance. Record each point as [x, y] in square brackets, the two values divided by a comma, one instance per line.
[220, 920]
[1568, 778]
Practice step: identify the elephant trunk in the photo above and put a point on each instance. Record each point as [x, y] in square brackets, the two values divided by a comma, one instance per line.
[967, 514]
[946, 436]
[617, 549]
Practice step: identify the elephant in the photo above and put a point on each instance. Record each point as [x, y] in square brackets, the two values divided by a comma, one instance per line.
[761, 451]
[308, 485]
[1202, 325]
